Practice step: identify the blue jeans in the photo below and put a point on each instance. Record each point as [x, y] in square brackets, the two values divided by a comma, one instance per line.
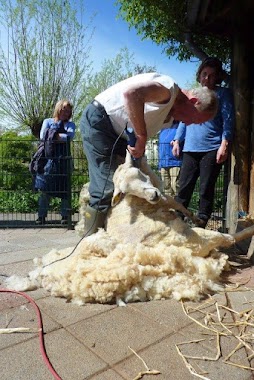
[44, 205]
[99, 137]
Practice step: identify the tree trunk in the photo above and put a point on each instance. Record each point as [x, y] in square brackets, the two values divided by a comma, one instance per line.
[35, 129]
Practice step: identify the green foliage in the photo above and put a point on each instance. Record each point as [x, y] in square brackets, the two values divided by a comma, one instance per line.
[16, 190]
[19, 201]
[46, 58]
[15, 180]
[15, 155]
[165, 22]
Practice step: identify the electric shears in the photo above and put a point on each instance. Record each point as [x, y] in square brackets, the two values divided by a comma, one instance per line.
[132, 141]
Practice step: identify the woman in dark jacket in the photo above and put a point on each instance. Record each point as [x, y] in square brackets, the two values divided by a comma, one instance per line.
[52, 182]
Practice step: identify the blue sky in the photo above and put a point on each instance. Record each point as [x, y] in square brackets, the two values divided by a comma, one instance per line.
[112, 34]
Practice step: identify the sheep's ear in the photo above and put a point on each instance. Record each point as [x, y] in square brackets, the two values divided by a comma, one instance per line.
[117, 197]
[128, 159]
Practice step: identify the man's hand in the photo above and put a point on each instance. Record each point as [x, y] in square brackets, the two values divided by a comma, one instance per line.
[139, 149]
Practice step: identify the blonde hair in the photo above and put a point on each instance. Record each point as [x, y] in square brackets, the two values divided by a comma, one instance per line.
[59, 105]
[207, 100]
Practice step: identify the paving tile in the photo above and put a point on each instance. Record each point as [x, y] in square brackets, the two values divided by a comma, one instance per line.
[161, 356]
[21, 268]
[70, 359]
[168, 313]
[23, 362]
[108, 375]
[66, 313]
[37, 237]
[10, 300]
[23, 316]
[17, 256]
[6, 247]
[109, 334]
[243, 276]
[91, 342]
[206, 346]
[241, 300]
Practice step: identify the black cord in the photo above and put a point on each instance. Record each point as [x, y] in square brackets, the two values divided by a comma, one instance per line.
[97, 210]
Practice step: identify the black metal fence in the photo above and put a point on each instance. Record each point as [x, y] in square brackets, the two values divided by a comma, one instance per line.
[19, 200]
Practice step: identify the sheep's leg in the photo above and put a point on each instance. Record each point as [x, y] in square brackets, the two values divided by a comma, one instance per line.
[244, 234]
[179, 207]
[238, 236]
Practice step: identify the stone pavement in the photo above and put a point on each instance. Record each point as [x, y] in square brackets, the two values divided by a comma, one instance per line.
[106, 342]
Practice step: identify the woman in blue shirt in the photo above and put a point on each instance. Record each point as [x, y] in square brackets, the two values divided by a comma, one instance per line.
[206, 145]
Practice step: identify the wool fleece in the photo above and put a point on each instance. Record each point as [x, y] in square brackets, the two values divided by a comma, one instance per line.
[146, 253]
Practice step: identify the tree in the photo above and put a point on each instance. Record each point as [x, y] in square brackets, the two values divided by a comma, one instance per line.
[166, 22]
[114, 70]
[45, 59]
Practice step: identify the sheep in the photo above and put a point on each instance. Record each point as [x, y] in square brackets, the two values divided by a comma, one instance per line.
[146, 252]
[140, 181]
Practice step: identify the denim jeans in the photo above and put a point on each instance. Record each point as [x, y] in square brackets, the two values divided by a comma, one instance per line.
[44, 205]
[102, 154]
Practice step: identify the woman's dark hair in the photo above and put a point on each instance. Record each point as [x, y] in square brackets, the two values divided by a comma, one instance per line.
[214, 63]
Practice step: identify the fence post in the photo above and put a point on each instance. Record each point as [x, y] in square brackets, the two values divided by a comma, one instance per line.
[225, 191]
[69, 173]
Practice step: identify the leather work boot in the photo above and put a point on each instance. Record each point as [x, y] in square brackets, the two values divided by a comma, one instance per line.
[94, 219]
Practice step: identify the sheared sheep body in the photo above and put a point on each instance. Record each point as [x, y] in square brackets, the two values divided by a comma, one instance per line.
[150, 225]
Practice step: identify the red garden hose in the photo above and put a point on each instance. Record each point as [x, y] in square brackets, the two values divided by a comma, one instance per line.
[42, 346]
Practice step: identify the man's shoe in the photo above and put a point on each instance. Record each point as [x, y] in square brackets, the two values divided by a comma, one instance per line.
[40, 220]
[180, 214]
[201, 223]
[64, 220]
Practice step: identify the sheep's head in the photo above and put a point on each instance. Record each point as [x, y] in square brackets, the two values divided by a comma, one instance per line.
[129, 179]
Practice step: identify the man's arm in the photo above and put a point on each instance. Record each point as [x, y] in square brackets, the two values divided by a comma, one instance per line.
[228, 117]
[135, 99]
[179, 137]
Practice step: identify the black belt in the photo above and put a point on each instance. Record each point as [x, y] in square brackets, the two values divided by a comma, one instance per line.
[98, 105]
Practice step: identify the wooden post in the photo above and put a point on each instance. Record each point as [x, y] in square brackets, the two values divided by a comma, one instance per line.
[251, 198]
[238, 191]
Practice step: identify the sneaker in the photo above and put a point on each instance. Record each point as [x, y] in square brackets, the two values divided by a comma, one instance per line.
[64, 220]
[40, 220]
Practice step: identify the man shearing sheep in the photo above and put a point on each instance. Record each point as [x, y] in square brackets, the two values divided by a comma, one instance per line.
[142, 102]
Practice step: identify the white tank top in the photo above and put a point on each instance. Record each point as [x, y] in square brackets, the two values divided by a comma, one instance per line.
[113, 101]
